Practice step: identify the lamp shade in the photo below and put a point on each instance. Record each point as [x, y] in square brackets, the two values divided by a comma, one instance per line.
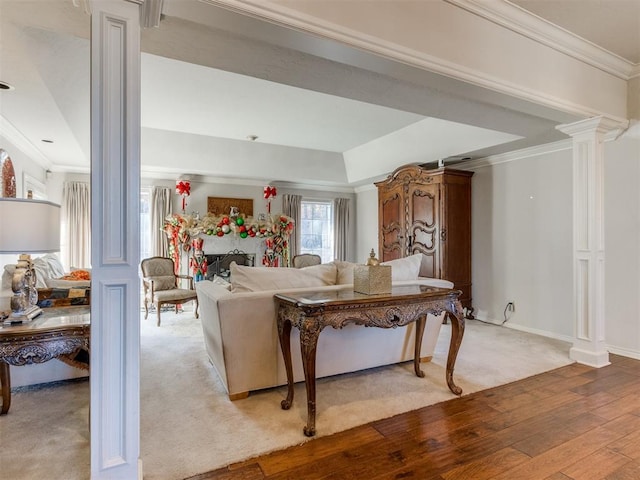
[29, 226]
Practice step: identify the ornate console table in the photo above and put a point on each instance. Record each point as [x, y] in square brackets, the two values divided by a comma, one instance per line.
[311, 312]
[57, 333]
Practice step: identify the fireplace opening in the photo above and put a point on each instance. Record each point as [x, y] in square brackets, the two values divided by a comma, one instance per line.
[218, 263]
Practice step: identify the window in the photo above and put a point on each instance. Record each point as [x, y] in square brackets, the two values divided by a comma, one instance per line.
[316, 229]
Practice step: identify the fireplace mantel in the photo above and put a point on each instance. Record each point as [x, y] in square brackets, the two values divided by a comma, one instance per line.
[219, 245]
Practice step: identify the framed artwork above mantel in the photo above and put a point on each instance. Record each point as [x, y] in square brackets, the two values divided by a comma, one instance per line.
[222, 205]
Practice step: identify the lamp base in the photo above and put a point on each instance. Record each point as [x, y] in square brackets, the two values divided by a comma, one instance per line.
[25, 296]
[23, 317]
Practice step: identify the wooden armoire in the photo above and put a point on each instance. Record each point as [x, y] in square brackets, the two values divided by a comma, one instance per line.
[429, 212]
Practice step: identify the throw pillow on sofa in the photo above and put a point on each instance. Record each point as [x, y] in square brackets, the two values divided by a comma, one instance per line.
[257, 279]
[345, 272]
[407, 268]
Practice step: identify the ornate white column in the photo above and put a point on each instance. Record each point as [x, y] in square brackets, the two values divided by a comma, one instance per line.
[115, 218]
[588, 136]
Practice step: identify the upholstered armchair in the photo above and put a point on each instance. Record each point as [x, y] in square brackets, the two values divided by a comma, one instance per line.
[161, 285]
[306, 260]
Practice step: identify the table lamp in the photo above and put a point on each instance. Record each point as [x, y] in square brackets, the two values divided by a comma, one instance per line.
[27, 226]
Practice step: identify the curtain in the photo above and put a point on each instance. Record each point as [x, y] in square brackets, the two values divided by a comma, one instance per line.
[76, 225]
[291, 205]
[341, 228]
[160, 208]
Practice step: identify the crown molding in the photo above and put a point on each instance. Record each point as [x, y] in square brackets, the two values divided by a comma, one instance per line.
[519, 20]
[517, 155]
[21, 142]
[290, 18]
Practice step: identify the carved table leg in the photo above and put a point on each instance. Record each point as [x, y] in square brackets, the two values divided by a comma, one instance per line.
[309, 332]
[5, 385]
[284, 332]
[420, 323]
[457, 331]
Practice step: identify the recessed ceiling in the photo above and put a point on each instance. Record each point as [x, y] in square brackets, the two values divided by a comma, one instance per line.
[215, 103]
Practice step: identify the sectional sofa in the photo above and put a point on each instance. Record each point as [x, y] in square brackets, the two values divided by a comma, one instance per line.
[241, 336]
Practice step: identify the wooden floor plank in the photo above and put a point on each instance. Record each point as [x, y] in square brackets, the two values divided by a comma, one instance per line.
[598, 465]
[488, 466]
[560, 457]
[318, 449]
[629, 445]
[619, 407]
[630, 471]
[558, 433]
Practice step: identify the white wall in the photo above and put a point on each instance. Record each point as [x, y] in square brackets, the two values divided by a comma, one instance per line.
[622, 246]
[523, 249]
[522, 243]
[367, 225]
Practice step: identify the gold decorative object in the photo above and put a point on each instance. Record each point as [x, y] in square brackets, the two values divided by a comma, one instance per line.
[372, 260]
[372, 278]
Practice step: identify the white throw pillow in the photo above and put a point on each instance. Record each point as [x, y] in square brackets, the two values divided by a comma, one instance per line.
[258, 279]
[221, 281]
[46, 267]
[345, 272]
[407, 268]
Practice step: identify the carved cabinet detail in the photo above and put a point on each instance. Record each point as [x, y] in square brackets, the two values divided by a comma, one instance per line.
[429, 212]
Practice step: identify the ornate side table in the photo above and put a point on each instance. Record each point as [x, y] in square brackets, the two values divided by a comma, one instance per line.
[57, 333]
[310, 312]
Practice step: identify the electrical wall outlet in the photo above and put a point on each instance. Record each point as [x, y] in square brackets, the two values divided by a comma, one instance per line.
[511, 307]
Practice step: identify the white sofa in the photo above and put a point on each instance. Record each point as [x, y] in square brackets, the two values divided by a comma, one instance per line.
[241, 337]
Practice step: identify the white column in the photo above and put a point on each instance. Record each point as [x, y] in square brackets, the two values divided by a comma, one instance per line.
[588, 136]
[115, 198]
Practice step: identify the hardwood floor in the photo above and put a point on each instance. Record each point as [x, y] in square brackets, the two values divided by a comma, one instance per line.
[575, 422]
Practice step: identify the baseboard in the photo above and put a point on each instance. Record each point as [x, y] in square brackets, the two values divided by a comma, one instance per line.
[625, 352]
[515, 326]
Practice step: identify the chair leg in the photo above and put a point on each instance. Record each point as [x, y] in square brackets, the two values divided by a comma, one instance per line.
[158, 310]
[196, 310]
[146, 308]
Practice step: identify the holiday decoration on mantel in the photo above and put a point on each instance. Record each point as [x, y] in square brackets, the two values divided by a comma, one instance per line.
[269, 193]
[275, 229]
[183, 188]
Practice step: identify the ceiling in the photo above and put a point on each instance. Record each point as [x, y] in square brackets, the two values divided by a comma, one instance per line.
[317, 119]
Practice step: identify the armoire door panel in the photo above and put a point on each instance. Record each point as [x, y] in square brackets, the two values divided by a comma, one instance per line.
[429, 267]
[424, 204]
[392, 242]
[391, 233]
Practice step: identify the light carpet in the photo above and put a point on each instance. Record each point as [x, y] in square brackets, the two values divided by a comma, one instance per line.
[189, 426]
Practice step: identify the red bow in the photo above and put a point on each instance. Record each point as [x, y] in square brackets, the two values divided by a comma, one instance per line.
[269, 191]
[183, 187]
